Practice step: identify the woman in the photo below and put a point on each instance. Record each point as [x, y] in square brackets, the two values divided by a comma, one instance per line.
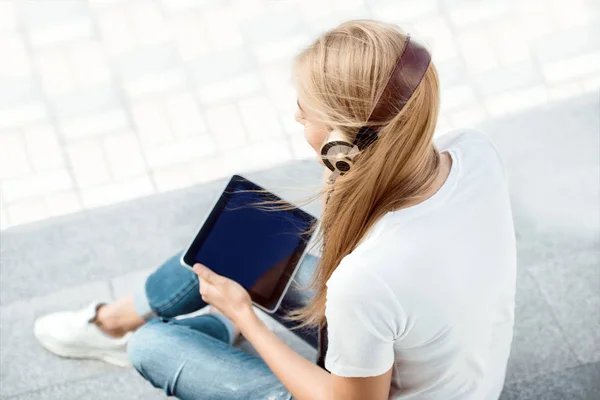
[415, 287]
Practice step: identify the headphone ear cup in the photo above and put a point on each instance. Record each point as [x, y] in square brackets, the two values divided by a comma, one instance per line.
[336, 155]
[343, 165]
[325, 155]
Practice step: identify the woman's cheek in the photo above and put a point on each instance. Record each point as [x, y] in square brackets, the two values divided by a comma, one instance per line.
[315, 137]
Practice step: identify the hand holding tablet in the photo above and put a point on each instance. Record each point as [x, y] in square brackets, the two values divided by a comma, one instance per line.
[259, 249]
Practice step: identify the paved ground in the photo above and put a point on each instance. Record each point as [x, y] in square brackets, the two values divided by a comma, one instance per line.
[107, 100]
[551, 156]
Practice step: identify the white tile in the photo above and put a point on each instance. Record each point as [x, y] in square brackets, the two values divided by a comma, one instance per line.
[535, 18]
[575, 67]
[164, 82]
[277, 75]
[281, 49]
[312, 10]
[300, 147]
[516, 100]
[43, 147]
[436, 33]
[183, 28]
[477, 50]
[90, 65]
[47, 182]
[151, 122]
[15, 60]
[62, 203]
[347, 4]
[572, 13]
[285, 100]
[478, 12]
[88, 162]
[591, 84]
[279, 85]
[36, 14]
[209, 169]
[468, 116]
[184, 115]
[290, 125]
[225, 127]
[171, 178]
[23, 115]
[179, 151]
[94, 124]
[456, 96]
[26, 211]
[115, 31]
[13, 156]
[8, 19]
[56, 72]
[400, 11]
[246, 9]
[227, 90]
[116, 192]
[124, 155]
[221, 28]
[260, 118]
[99, 4]
[259, 155]
[148, 24]
[507, 39]
[66, 31]
[146, 61]
[181, 6]
[564, 91]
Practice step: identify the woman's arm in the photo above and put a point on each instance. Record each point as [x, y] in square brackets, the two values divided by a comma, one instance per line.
[372, 388]
[304, 380]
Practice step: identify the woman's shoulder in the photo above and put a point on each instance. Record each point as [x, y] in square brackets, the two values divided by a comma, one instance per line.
[470, 142]
[476, 153]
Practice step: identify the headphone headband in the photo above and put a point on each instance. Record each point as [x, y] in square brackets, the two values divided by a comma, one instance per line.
[402, 83]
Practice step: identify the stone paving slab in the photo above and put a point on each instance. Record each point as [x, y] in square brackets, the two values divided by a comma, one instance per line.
[578, 315]
[539, 345]
[578, 383]
[557, 258]
[24, 365]
[118, 384]
[555, 189]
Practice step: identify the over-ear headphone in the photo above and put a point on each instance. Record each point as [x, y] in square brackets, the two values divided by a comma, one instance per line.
[337, 153]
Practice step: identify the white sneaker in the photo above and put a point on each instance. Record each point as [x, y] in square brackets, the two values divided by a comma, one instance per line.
[72, 334]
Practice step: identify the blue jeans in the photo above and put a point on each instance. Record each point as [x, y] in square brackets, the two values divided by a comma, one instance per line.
[194, 358]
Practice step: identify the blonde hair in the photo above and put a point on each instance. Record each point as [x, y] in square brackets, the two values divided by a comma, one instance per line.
[341, 76]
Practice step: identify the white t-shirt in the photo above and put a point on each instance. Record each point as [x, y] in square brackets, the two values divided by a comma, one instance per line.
[430, 291]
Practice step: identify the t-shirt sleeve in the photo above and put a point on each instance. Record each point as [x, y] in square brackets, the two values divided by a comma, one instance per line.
[364, 318]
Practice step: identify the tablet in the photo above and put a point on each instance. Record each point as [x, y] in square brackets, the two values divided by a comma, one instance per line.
[260, 249]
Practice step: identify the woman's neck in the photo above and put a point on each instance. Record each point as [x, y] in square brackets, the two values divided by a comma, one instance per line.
[442, 174]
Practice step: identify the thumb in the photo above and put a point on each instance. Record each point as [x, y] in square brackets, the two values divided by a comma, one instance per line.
[207, 274]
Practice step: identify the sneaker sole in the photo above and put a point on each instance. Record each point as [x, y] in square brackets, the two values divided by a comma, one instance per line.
[117, 358]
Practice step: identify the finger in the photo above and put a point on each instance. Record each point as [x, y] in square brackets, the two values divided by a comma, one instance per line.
[203, 286]
[207, 274]
[206, 290]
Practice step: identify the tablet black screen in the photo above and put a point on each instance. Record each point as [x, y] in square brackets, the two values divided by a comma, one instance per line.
[257, 248]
